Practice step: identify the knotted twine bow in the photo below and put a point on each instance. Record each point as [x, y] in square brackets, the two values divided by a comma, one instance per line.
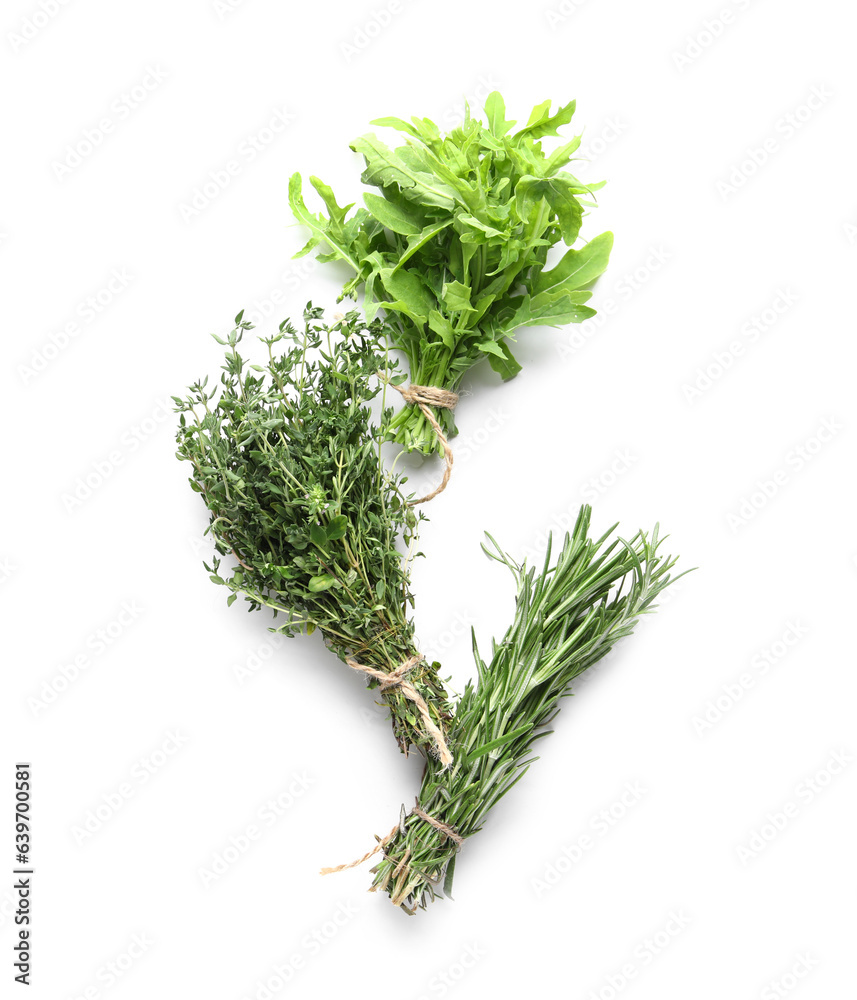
[426, 396]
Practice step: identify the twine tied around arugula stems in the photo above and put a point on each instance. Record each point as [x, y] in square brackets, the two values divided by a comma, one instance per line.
[425, 397]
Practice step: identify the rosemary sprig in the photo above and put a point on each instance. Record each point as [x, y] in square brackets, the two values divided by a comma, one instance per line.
[287, 460]
[568, 616]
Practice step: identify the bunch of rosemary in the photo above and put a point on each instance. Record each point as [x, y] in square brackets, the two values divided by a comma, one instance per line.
[454, 246]
[287, 460]
[568, 616]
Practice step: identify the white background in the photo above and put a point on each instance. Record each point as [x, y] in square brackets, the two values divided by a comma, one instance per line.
[675, 111]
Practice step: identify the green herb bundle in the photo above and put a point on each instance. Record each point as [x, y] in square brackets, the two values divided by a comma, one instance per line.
[287, 460]
[568, 616]
[287, 457]
[454, 246]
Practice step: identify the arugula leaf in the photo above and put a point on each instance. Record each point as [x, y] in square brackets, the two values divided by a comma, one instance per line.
[560, 197]
[440, 325]
[396, 123]
[543, 123]
[323, 229]
[490, 347]
[418, 241]
[473, 227]
[384, 166]
[562, 156]
[495, 109]
[506, 366]
[410, 295]
[456, 297]
[547, 309]
[392, 216]
[577, 267]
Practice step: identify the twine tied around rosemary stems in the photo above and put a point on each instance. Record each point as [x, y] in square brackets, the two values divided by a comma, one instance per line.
[397, 679]
[444, 828]
[383, 841]
[425, 397]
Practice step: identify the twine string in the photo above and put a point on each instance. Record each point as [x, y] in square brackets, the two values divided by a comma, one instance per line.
[425, 397]
[448, 831]
[443, 828]
[382, 843]
[398, 679]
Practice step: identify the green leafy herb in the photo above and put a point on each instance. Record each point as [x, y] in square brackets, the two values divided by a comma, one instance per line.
[455, 246]
[287, 459]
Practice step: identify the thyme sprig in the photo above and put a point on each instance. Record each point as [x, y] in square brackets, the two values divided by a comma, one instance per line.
[568, 616]
[286, 457]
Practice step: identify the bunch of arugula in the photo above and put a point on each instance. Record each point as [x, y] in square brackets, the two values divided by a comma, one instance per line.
[454, 246]
[287, 460]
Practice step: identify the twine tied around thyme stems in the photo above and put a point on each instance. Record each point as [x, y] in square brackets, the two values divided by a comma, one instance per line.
[443, 828]
[425, 397]
[397, 679]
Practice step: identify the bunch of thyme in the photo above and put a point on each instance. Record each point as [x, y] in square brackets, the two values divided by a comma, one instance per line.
[287, 460]
[568, 616]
